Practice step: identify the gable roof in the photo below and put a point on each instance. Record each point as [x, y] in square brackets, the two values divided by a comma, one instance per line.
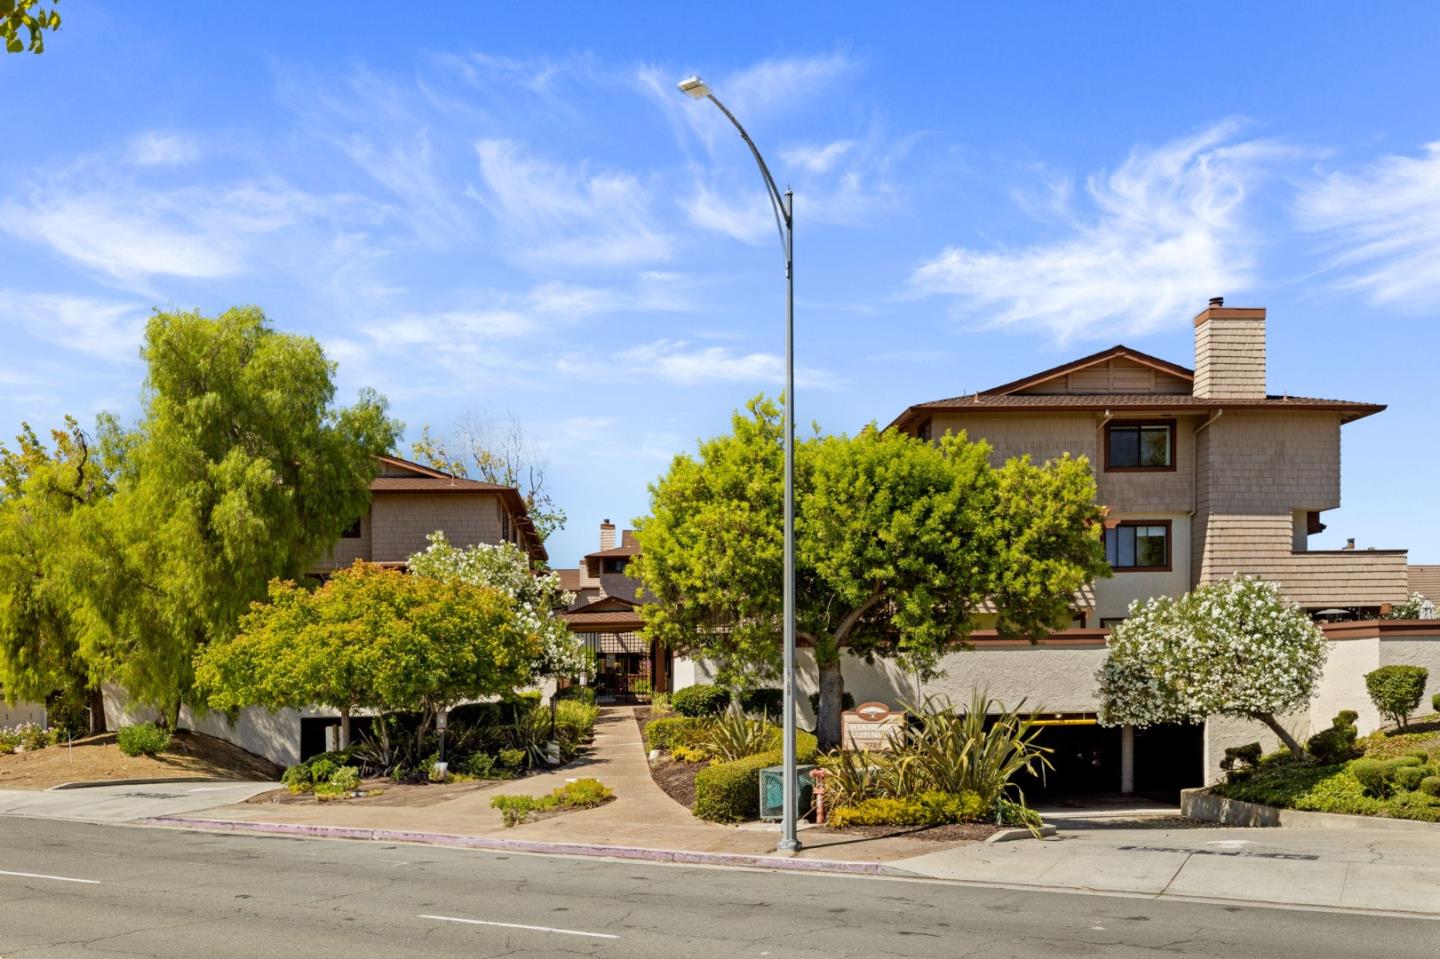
[399, 475]
[1119, 351]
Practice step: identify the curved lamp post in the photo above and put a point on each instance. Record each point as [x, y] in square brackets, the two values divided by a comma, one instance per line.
[783, 206]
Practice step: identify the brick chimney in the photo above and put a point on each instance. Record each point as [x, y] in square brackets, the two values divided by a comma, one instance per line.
[607, 534]
[1230, 351]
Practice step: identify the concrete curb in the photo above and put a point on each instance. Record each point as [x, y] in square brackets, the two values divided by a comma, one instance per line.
[1011, 835]
[1205, 806]
[96, 783]
[844, 867]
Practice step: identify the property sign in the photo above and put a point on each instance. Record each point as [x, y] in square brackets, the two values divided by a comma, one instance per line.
[869, 725]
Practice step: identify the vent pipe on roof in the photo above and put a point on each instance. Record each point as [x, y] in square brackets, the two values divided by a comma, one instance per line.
[1217, 301]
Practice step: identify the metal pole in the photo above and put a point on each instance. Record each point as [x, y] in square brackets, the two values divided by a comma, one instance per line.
[788, 840]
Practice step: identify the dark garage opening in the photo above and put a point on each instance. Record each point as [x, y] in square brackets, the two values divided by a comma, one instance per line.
[1086, 761]
[312, 732]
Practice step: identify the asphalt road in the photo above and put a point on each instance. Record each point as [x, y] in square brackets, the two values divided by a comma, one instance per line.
[74, 889]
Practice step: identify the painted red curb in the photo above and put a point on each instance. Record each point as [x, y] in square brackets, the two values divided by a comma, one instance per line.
[845, 867]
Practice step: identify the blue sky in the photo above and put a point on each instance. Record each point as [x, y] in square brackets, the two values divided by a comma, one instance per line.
[483, 209]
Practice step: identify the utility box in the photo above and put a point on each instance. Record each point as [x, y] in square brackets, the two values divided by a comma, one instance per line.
[772, 791]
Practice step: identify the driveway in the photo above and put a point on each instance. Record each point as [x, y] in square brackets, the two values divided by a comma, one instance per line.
[112, 804]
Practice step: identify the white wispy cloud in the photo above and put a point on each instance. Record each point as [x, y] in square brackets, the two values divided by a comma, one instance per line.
[162, 148]
[1157, 236]
[105, 329]
[817, 159]
[567, 214]
[1384, 220]
[685, 364]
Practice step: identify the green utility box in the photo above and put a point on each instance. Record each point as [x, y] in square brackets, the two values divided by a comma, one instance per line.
[772, 791]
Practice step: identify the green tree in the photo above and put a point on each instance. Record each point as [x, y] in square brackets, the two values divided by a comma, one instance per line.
[44, 495]
[498, 451]
[537, 597]
[241, 470]
[900, 546]
[23, 15]
[370, 638]
[1233, 648]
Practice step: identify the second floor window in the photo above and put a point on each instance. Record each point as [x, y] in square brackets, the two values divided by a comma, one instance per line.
[614, 564]
[1140, 446]
[1143, 545]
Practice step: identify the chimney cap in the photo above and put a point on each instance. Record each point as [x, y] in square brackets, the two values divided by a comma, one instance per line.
[1217, 301]
[606, 522]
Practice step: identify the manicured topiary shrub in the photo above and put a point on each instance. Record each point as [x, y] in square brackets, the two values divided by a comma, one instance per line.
[702, 699]
[667, 733]
[730, 792]
[1396, 690]
[1337, 743]
[1430, 786]
[1374, 776]
[1435, 702]
[1240, 761]
[144, 739]
[1410, 777]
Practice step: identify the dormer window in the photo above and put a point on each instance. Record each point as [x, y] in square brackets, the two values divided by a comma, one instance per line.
[1140, 446]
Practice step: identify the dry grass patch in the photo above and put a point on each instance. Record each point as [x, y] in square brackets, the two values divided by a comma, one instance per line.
[98, 759]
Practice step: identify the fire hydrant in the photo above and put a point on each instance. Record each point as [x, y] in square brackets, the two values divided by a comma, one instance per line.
[818, 778]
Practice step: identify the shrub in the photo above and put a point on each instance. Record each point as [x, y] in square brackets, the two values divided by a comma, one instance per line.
[660, 705]
[1410, 777]
[1337, 743]
[665, 734]
[512, 758]
[689, 754]
[1430, 786]
[144, 739]
[346, 779]
[579, 694]
[1240, 762]
[480, 765]
[736, 736]
[1396, 690]
[1374, 776]
[297, 778]
[580, 794]
[1435, 702]
[702, 699]
[322, 768]
[930, 808]
[9, 740]
[847, 702]
[33, 736]
[730, 792]
[763, 702]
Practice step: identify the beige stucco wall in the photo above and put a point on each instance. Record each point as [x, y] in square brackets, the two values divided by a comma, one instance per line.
[276, 736]
[1416, 652]
[21, 712]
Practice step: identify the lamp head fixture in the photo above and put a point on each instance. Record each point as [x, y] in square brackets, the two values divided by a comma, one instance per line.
[694, 87]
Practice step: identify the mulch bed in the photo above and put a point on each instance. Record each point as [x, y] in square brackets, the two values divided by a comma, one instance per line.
[677, 779]
[952, 833]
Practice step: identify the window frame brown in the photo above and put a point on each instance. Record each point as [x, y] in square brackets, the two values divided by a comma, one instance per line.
[1169, 545]
[1168, 423]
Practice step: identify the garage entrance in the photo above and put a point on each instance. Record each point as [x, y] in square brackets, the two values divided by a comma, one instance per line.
[1087, 759]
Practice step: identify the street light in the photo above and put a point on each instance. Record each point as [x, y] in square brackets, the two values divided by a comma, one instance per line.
[783, 206]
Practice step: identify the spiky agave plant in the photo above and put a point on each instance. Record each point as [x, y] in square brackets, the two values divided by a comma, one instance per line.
[979, 749]
[735, 736]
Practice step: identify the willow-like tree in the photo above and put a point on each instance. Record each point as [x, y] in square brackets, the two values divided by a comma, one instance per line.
[900, 546]
[375, 639]
[45, 494]
[241, 470]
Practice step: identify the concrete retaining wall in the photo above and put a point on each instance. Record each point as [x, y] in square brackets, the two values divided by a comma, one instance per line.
[1207, 807]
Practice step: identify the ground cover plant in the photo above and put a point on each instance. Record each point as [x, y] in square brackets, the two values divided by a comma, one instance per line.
[1394, 774]
[580, 794]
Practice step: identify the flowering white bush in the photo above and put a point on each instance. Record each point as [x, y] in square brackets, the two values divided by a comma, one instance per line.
[538, 597]
[1234, 648]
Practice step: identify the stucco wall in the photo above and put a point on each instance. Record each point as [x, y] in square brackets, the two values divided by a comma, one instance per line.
[1113, 595]
[276, 736]
[1420, 651]
[21, 712]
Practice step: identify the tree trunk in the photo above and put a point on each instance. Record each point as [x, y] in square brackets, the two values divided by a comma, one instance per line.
[172, 714]
[345, 727]
[97, 710]
[832, 694]
[1290, 742]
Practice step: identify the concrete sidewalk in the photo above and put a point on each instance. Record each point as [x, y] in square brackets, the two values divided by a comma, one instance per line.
[126, 803]
[1355, 869]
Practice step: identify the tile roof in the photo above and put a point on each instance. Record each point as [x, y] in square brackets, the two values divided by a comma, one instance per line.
[569, 579]
[1425, 580]
[1115, 352]
[631, 548]
[432, 484]
[603, 622]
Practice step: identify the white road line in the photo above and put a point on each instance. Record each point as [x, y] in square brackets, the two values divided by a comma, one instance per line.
[519, 925]
[37, 875]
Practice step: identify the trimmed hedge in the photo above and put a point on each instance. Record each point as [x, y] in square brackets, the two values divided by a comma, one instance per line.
[584, 694]
[671, 731]
[730, 792]
[932, 808]
[702, 699]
